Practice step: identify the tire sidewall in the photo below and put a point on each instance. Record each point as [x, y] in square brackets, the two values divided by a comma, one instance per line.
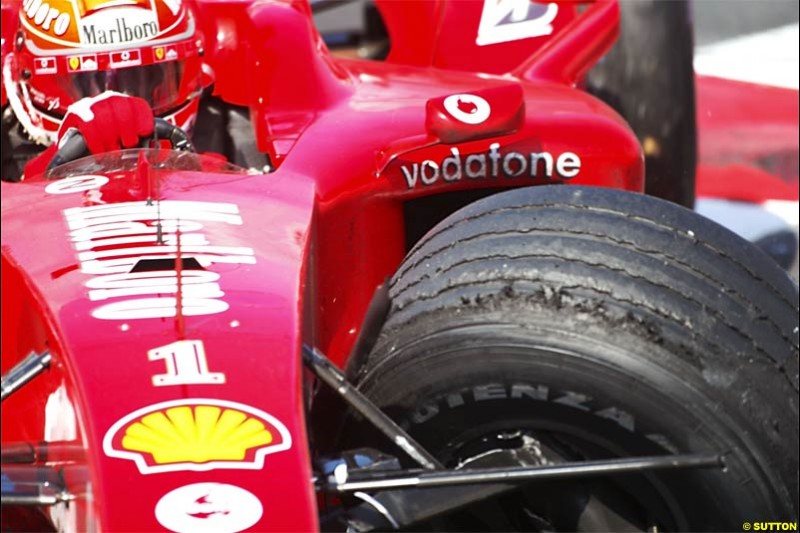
[456, 382]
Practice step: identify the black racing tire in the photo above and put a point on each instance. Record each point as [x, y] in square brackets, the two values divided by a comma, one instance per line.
[601, 324]
[648, 77]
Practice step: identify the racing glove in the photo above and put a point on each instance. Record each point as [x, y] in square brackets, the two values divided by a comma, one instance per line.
[109, 121]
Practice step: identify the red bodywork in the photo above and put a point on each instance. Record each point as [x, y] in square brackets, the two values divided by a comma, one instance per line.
[287, 258]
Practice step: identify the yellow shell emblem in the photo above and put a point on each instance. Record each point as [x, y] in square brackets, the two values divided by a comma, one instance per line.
[200, 434]
[196, 435]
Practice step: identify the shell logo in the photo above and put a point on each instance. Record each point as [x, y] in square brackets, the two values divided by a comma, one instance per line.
[197, 434]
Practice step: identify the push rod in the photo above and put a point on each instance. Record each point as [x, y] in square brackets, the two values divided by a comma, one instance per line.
[581, 469]
[326, 371]
[27, 369]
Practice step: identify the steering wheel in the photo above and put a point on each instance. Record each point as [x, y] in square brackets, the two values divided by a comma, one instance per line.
[73, 146]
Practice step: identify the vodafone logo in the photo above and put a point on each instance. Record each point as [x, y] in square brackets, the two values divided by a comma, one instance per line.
[45, 65]
[467, 108]
[126, 58]
[208, 507]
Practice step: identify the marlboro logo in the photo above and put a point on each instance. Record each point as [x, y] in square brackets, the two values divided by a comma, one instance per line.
[122, 31]
[46, 17]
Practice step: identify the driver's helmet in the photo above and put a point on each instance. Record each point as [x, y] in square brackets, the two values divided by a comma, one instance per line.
[69, 49]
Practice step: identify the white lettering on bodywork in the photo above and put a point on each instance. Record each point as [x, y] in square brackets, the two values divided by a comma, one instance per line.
[112, 239]
[492, 164]
[186, 365]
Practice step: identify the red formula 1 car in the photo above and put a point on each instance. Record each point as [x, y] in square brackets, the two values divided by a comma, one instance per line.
[448, 307]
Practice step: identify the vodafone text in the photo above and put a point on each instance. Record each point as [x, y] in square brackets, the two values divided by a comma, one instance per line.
[492, 164]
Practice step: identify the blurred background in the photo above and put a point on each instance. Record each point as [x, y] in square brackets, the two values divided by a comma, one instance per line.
[754, 42]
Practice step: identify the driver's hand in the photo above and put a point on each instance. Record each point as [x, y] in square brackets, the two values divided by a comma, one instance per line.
[109, 121]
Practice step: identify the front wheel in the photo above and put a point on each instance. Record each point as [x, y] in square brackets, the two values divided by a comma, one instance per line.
[559, 324]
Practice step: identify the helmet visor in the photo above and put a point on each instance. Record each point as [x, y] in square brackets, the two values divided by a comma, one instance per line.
[162, 85]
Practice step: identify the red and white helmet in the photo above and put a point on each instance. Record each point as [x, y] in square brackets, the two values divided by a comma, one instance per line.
[66, 50]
